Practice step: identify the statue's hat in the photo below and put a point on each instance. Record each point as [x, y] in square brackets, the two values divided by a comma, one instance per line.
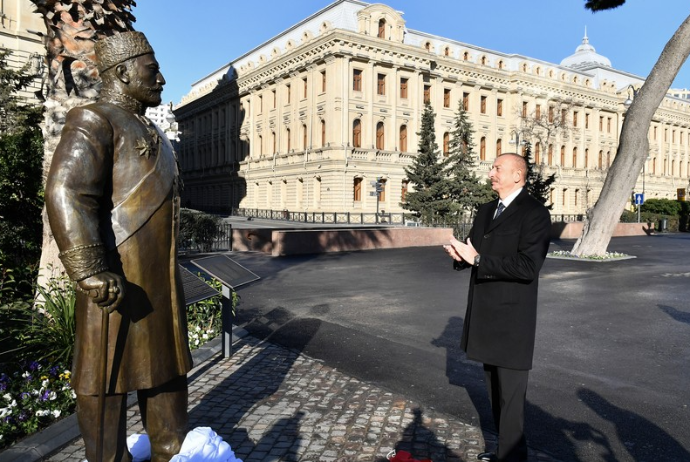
[118, 48]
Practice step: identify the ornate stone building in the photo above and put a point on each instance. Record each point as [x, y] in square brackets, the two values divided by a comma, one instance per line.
[20, 31]
[307, 120]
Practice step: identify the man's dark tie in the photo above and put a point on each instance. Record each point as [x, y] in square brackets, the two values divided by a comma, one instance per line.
[499, 209]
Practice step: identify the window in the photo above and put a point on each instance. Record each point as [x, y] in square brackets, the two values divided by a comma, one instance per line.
[304, 87]
[550, 155]
[575, 114]
[261, 146]
[537, 111]
[446, 51]
[465, 102]
[288, 93]
[550, 114]
[380, 136]
[608, 125]
[499, 108]
[382, 29]
[446, 97]
[499, 147]
[357, 133]
[403, 88]
[537, 153]
[357, 80]
[586, 157]
[304, 137]
[577, 193]
[654, 133]
[586, 120]
[323, 133]
[500, 64]
[323, 81]
[446, 142]
[482, 105]
[482, 148]
[357, 190]
[574, 157]
[403, 138]
[524, 109]
[601, 124]
[275, 100]
[287, 135]
[562, 155]
[564, 116]
[564, 200]
[466, 56]
[381, 84]
[427, 94]
[601, 159]
[261, 104]
[273, 142]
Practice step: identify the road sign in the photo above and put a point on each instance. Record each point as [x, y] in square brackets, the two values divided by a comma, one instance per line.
[639, 199]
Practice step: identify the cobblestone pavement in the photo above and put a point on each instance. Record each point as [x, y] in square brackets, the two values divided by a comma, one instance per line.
[274, 404]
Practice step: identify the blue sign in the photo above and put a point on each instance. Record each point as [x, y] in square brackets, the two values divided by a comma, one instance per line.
[639, 199]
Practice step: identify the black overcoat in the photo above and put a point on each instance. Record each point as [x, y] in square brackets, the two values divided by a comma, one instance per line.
[501, 315]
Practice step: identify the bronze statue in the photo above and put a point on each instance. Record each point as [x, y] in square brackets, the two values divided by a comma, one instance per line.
[113, 205]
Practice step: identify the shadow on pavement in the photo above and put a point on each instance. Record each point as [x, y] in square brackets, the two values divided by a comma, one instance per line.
[421, 442]
[676, 314]
[466, 374]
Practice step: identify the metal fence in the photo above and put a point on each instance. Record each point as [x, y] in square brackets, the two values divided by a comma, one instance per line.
[327, 218]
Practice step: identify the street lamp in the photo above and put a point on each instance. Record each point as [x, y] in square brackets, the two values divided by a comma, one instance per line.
[632, 93]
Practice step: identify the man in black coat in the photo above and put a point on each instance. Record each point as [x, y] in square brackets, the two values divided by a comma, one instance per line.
[505, 249]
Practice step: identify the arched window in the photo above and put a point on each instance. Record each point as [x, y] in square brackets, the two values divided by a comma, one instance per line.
[466, 56]
[403, 138]
[357, 133]
[500, 64]
[446, 51]
[574, 157]
[427, 46]
[287, 135]
[382, 28]
[304, 136]
[483, 60]
[499, 147]
[261, 146]
[601, 159]
[274, 141]
[482, 148]
[380, 136]
[357, 190]
[586, 157]
[446, 142]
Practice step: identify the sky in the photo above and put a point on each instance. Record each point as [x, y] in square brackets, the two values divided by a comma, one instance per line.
[194, 39]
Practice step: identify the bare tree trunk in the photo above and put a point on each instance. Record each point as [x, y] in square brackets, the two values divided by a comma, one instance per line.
[73, 26]
[633, 148]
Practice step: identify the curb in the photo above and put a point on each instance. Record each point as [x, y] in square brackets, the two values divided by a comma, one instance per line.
[40, 445]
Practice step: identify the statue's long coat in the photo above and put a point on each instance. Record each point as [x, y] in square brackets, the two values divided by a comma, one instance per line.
[113, 180]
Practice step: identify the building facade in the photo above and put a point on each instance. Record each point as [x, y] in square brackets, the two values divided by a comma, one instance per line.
[21, 30]
[307, 120]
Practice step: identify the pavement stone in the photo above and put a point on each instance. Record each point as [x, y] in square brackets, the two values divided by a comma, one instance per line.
[274, 404]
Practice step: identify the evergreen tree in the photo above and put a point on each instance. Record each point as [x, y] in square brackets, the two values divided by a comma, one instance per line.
[427, 201]
[462, 186]
[538, 186]
[21, 164]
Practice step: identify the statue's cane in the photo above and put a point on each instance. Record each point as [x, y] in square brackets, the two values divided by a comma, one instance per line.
[105, 324]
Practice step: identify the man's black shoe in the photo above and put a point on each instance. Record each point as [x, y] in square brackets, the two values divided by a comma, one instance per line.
[487, 457]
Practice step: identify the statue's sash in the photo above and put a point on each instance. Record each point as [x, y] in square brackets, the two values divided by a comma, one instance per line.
[147, 196]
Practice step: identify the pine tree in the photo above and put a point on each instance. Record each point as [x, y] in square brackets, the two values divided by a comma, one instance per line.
[427, 201]
[538, 186]
[462, 186]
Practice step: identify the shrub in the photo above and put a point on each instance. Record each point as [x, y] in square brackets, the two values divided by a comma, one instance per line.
[198, 230]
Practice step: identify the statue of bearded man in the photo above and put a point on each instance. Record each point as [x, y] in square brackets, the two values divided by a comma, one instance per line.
[113, 205]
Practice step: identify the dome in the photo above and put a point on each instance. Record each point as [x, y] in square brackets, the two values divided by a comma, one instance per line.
[585, 57]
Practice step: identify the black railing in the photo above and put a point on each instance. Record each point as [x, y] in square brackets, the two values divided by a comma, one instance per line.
[327, 218]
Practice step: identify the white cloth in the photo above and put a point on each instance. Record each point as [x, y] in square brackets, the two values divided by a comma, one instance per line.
[200, 445]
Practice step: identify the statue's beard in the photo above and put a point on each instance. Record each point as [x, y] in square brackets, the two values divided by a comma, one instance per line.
[148, 96]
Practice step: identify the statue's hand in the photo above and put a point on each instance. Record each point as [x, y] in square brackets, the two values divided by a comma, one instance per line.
[106, 289]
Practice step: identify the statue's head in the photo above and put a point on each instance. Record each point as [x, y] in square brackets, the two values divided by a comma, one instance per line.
[126, 61]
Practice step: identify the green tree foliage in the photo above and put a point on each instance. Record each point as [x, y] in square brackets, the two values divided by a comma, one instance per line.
[428, 201]
[538, 186]
[21, 190]
[464, 189]
[198, 230]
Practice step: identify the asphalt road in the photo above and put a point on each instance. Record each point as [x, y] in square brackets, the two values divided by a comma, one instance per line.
[611, 376]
